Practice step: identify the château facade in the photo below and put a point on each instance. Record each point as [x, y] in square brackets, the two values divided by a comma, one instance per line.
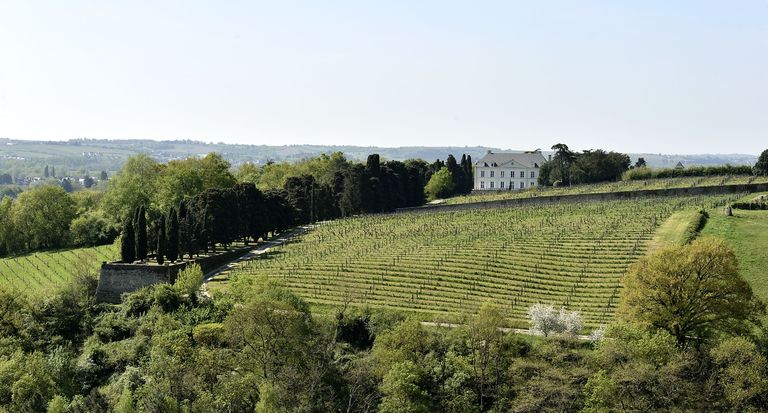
[508, 171]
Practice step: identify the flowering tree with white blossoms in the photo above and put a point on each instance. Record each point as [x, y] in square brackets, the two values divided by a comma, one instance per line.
[546, 320]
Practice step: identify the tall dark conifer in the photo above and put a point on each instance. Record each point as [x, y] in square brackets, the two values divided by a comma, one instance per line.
[470, 174]
[141, 234]
[127, 243]
[185, 231]
[172, 233]
[161, 240]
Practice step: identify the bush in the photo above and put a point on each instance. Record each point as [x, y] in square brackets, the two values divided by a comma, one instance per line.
[167, 298]
[638, 174]
[752, 206]
[189, 281]
[138, 302]
[112, 327]
[211, 334]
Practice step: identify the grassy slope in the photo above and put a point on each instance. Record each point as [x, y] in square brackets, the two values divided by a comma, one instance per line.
[38, 272]
[747, 233]
[676, 230]
[572, 254]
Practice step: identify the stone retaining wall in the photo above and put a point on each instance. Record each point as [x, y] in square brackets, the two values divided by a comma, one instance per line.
[604, 196]
[117, 278]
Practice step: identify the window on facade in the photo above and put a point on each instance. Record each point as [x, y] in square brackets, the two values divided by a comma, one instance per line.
[491, 174]
[482, 184]
[522, 185]
[511, 174]
[482, 174]
[501, 184]
[532, 174]
[502, 174]
[491, 181]
[511, 185]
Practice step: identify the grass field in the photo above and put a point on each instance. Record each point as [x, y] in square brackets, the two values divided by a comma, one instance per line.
[39, 272]
[666, 183]
[747, 233]
[678, 229]
[450, 262]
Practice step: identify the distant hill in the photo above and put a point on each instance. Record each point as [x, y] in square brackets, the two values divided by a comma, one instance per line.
[76, 156]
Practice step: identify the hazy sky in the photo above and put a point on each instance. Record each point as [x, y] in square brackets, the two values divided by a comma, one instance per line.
[635, 76]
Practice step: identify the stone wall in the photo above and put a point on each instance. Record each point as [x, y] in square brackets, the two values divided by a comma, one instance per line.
[117, 278]
[605, 196]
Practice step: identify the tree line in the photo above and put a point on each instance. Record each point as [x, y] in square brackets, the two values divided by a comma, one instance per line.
[214, 217]
[590, 166]
[287, 194]
[200, 221]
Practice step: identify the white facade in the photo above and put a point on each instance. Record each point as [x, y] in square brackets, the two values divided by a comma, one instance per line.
[507, 171]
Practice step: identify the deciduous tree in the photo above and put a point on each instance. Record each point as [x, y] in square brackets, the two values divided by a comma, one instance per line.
[692, 291]
[440, 185]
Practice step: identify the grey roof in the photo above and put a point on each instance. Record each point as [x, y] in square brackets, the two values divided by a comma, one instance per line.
[512, 159]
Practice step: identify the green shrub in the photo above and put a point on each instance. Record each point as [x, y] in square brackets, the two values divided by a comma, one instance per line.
[752, 206]
[189, 281]
[656, 173]
[138, 302]
[112, 327]
[167, 298]
[210, 334]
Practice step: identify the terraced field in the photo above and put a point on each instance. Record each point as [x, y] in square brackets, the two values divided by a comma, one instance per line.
[450, 262]
[42, 271]
[665, 183]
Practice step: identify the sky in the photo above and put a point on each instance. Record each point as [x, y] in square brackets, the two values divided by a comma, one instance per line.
[632, 76]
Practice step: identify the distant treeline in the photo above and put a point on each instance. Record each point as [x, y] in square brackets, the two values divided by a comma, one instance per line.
[638, 174]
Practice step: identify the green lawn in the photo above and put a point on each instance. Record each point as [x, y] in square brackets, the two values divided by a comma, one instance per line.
[747, 233]
[676, 230]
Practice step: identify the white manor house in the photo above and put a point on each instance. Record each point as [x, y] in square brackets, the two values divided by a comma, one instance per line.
[505, 171]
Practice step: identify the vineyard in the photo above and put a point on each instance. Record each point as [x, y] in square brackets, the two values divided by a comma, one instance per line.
[451, 262]
[42, 271]
[664, 183]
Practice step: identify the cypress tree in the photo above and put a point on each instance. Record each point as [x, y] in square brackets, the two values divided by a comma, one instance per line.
[185, 231]
[127, 248]
[470, 175]
[141, 234]
[45, 172]
[172, 233]
[161, 241]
